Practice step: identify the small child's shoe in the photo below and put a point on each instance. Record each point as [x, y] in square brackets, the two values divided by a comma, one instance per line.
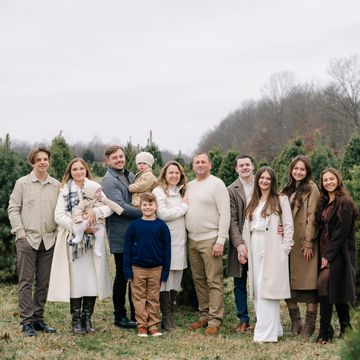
[142, 331]
[97, 252]
[75, 240]
[154, 332]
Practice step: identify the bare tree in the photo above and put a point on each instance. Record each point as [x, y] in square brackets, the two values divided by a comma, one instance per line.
[344, 91]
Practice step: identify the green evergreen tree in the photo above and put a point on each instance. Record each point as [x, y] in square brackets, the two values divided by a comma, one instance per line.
[216, 159]
[282, 161]
[227, 171]
[61, 154]
[98, 169]
[130, 153]
[351, 156]
[321, 157]
[12, 167]
[353, 185]
[89, 156]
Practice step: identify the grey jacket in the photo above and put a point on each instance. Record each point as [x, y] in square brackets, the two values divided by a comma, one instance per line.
[116, 189]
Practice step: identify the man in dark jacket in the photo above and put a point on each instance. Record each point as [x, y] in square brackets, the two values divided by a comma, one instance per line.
[240, 192]
[115, 185]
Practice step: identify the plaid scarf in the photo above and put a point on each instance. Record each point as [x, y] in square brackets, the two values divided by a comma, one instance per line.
[71, 200]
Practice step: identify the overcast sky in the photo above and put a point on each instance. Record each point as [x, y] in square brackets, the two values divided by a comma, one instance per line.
[117, 69]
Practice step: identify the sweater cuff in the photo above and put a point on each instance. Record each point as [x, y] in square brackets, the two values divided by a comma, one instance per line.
[308, 244]
[221, 240]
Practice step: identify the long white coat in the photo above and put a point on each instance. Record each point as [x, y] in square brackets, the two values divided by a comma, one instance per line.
[59, 285]
[172, 209]
[275, 282]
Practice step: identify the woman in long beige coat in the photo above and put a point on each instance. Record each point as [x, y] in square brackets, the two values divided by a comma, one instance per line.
[268, 253]
[304, 197]
[77, 275]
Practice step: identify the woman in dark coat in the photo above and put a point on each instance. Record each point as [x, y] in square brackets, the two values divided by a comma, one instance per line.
[336, 282]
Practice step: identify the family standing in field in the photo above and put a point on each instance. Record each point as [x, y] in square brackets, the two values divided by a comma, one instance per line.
[295, 244]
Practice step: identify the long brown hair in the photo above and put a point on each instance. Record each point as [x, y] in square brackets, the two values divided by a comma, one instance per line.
[303, 187]
[67, 173]
[162, 177]
[341, 194]
[272, 204]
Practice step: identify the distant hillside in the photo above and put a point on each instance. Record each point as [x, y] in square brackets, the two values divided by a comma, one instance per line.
[288, 110]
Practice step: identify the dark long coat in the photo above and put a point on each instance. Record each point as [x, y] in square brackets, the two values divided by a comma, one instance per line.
[339, 250]
[237, 211]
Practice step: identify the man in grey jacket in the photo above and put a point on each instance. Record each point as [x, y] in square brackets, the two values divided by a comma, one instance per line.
[115, 185]
[31, 213]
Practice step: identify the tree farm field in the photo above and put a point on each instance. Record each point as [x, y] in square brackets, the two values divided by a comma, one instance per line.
[111, 342]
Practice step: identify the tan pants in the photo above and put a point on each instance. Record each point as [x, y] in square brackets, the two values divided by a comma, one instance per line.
[33, 266]
[207, 273]
[145, 292]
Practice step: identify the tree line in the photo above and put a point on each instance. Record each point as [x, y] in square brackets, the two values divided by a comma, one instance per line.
[289, 109]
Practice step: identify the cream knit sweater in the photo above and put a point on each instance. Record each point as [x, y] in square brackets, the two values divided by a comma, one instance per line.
[208, 216]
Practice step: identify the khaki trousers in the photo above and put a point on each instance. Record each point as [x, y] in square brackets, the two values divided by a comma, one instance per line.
[207, 273]
[145, 292]
[32, 265]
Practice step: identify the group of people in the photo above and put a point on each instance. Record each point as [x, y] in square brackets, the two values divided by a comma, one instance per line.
[296, 244]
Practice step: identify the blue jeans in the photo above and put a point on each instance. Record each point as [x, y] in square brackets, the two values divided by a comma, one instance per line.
[240, 293]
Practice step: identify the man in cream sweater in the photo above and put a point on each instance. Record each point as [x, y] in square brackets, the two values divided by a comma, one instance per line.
[207, 223]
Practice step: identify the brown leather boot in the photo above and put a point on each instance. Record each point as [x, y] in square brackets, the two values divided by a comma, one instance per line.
[309, 326]
[295, 318]
[165, 307]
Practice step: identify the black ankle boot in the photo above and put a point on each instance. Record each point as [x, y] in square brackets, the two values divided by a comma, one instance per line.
[88, 309]
[75, 310]
[344, 318]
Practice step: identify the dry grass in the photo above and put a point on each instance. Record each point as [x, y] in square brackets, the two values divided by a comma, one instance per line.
[110, 342]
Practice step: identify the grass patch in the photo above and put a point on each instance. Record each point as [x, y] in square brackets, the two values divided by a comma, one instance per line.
[110, 342]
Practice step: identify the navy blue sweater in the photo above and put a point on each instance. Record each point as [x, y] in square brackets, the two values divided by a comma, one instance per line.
[147, 245]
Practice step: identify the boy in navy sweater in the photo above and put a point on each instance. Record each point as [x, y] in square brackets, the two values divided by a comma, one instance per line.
[147, 255]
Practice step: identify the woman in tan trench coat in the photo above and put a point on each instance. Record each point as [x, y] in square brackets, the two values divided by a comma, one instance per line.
[304, 197]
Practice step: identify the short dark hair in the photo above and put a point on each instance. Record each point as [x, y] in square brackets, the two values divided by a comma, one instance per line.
[202, 153]
[244, 156]
[34, 152]
[112, 148]
[148, 196]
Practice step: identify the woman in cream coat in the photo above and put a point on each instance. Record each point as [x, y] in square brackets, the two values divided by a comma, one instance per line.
[77, 277]
[268, 253]
[172, 206]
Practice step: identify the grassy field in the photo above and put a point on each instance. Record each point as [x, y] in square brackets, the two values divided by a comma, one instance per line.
[110, 342]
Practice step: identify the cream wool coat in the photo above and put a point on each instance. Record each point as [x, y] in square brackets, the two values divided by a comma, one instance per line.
[59, 285]
[171, 209]
[275, 283]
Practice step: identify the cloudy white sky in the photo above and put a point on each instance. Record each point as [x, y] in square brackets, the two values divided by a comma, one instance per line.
[117, 69]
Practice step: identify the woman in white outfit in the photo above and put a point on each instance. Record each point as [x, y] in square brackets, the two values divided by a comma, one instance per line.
[77, 275]
[268, 253]
[172, 207]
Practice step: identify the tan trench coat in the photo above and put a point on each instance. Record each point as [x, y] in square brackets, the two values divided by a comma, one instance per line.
[303, 273]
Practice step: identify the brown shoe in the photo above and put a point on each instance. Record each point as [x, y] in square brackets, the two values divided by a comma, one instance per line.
[198, 324]
[212, 330]
[242, 327]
